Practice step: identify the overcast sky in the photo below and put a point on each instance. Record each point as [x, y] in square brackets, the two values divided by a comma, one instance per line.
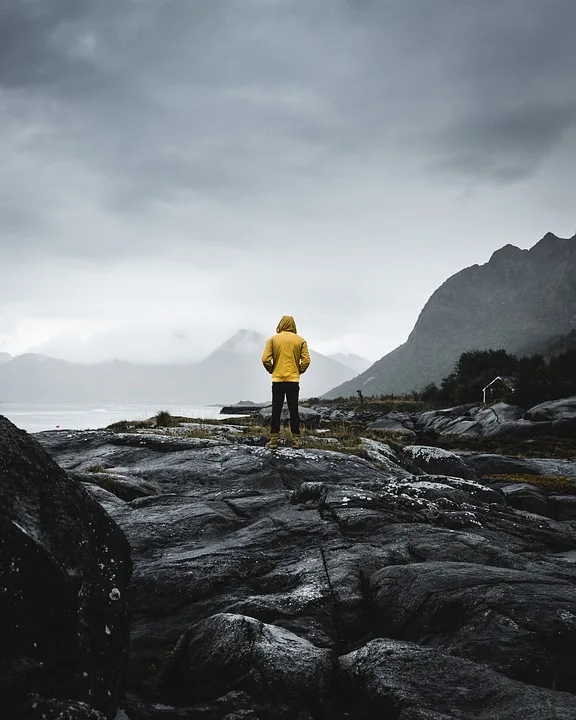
[174, 170]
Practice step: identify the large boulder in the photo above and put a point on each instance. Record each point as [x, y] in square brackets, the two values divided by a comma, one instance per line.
[523, 496]
[230, 652]
[435, 461]
[557, 416]
[65, 566]
[553, 411]
[391, 679]
[387, 424]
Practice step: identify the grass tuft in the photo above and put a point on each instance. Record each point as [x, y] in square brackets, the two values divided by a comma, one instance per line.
[96, 469]
[164, 418]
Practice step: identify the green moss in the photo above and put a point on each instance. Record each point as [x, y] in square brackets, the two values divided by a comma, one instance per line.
[96, 469]
[548, 483]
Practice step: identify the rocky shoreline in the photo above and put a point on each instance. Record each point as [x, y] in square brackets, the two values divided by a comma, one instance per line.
[373, 577]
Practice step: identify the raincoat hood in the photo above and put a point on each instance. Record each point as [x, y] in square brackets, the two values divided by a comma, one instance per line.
[287, 324]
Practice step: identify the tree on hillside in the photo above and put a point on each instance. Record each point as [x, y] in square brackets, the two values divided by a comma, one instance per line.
[473, 371]
[562, 373]
[535, 378]
[533, 381]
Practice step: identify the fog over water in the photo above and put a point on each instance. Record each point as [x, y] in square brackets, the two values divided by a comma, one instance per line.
[47, 416]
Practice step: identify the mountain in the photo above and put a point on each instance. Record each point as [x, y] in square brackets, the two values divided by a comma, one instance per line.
[551, 346]
[354, 362]
[231, 373]
[234, 370]
[38, 378]
[4, 357]
[517, 299]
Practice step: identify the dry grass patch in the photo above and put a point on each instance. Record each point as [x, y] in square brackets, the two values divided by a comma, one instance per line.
[548, 483]
[96, 469]
[124, 426]
[200, 433]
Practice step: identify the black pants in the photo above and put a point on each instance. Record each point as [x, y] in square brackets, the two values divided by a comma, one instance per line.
[290, 390]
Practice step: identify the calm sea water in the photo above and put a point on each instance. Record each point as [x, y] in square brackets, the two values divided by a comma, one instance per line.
[35, 418]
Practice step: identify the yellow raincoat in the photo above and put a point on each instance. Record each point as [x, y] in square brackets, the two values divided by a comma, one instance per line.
[286, 354]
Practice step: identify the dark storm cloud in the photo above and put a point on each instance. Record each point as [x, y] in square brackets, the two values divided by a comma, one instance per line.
[508, 145]
[515, 78]
[135, 104]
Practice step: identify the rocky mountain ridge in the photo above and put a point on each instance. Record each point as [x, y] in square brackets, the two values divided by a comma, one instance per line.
[518, 298]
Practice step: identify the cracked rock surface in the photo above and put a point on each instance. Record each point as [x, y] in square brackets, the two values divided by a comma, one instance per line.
[312, 584]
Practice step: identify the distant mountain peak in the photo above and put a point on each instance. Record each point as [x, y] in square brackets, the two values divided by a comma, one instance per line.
[551, 247]
[550, 236]
[508, 253]
[243, 342]
[550, 244]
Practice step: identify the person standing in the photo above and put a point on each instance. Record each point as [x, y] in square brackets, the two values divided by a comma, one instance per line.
[285, 357]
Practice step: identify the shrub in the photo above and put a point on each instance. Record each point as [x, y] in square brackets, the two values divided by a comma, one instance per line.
[164, 419]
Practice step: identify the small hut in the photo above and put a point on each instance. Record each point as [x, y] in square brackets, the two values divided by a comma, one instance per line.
[500, 387]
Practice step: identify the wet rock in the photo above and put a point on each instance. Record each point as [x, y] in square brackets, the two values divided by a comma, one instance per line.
[527, 498]
[104, 497]
[487, 464]
[65, 567]
[435, 461]
[564, 507]
[246, 553]
[555, 419]
[459, 420]
[463, 607]
[391, 424]
[123, 486]
[387, 459]
[235, 652]
[44, 709]
[556, 411]
[408, 682]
